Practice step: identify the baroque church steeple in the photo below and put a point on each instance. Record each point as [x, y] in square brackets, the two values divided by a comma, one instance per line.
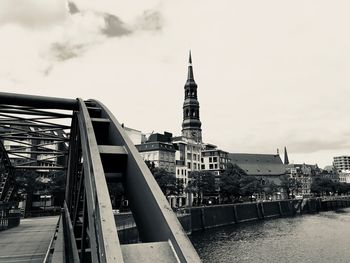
[286, 160]
[191, 125]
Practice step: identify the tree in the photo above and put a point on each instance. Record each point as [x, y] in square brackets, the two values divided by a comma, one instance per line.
[117, 194]
[270, 188]
[201, 183]
[56, 186]
[167, 182]
[230, 182]
[249, 185]
[290, 185]
[342, 188]
[27, 185]
[321, 186]
[151, 166]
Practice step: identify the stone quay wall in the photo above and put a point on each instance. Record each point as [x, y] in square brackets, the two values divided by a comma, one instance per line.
[200, 218]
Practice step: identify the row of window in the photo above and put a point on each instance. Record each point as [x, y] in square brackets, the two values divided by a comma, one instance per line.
[194, 167]
[183, 172]
[167, 166]
[214, 153]
[212, 166]
[215, 159]
[167, 156]
[195, 157]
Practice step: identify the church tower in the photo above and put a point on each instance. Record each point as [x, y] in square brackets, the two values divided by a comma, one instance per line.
[191, 125]
[286, 160]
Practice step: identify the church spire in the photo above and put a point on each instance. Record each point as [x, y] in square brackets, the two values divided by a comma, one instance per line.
[191, 125]
[286, 160]
[190, 69]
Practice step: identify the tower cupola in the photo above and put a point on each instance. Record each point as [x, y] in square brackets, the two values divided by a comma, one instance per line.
[191, 125]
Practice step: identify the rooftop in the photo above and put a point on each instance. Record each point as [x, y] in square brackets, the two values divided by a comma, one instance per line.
[259, 164]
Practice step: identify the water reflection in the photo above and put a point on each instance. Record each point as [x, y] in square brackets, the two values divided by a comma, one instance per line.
[323, 237]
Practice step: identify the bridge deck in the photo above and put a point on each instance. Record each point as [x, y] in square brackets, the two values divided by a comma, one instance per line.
[29, 241]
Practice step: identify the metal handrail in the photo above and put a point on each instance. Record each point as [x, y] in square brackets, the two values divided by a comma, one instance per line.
[156, 221]
[88, 223]
[6, 163]
[100, 215]
[50, 247]
[7, 221]
[37, 101]
[72, 251]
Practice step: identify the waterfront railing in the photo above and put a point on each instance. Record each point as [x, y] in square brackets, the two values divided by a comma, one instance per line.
[9, 215]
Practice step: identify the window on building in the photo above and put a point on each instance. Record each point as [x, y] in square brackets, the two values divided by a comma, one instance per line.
[216, 166]
[202, 160]
[189, 156]
[203, 167]
[182, 172]
[215, 159]
[195, 166]
[210, 160]
[211, 166]
[178, 172]
[189, 165]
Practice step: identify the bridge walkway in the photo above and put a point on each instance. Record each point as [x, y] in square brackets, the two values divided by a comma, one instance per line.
[29, 241]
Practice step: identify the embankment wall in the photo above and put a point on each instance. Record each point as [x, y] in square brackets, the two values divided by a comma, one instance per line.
[220, 215]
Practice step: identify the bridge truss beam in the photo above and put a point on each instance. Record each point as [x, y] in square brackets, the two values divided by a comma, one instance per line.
[97, 151]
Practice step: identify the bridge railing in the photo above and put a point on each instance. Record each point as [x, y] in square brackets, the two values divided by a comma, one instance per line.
[90, 234]
[100, 152]
[9, 216]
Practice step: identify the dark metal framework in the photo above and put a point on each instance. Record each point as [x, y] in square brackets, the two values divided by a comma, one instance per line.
[99, 152]
[9, 217]
[7, 179]
[34, 139]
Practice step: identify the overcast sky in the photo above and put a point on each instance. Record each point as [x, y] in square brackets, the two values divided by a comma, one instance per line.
[269, 73]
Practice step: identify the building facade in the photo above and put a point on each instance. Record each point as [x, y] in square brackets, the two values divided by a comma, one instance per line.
[266, 167]
[304, 174]
[344, 176]
[159, 150]
[214, 159]
[341, 163]
[136, 136]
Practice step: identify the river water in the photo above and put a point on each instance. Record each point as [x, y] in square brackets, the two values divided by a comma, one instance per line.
[319, 238]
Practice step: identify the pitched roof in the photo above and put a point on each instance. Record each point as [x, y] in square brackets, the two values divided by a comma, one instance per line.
[259, 164]
[155, 146]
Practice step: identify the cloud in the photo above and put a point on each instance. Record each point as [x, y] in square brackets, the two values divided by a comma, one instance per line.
[150, 20]
[261, 84]
[50, 32]
[65, 51]
[114, 27]
[73, 9]
[316, 145]
[32, 13]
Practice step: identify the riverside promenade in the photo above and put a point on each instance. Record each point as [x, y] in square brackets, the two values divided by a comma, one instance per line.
[29, 241]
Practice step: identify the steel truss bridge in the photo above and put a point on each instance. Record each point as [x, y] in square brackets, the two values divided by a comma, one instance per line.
[83, 140]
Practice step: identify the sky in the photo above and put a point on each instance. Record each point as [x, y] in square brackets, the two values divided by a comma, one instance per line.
[270, 73]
